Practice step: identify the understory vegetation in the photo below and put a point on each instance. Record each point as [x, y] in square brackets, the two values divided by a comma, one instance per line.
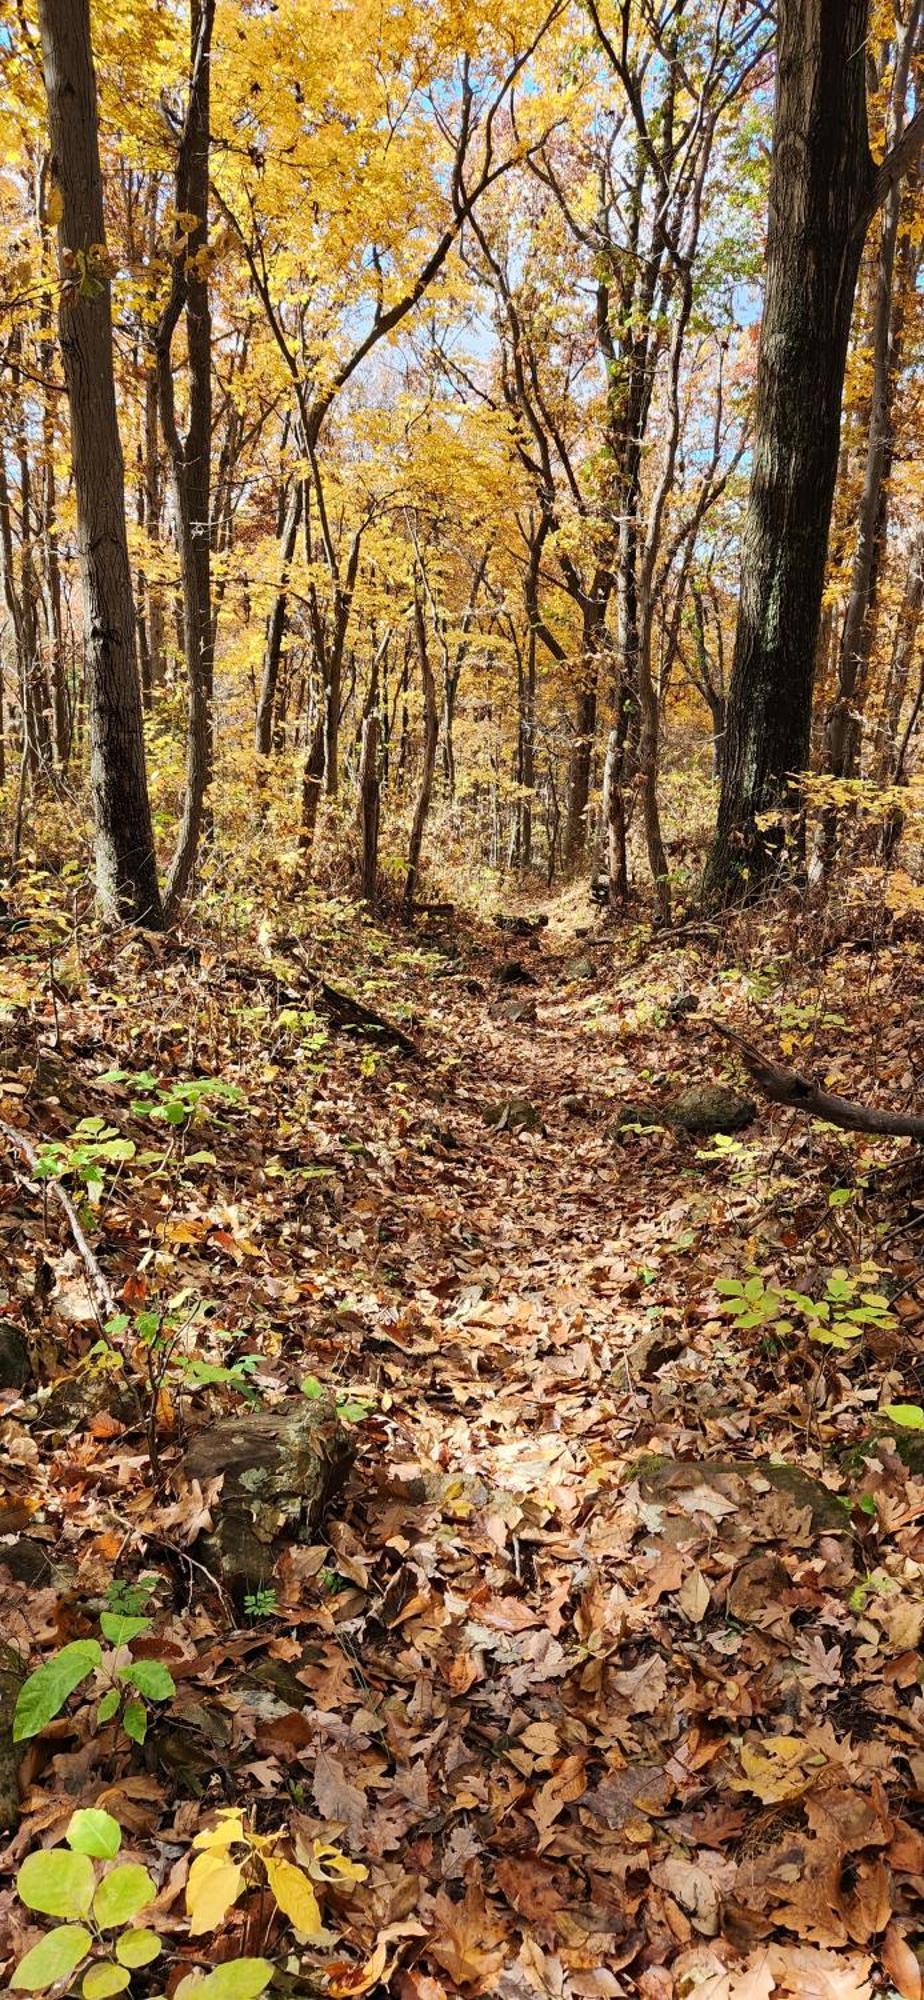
[461, 905]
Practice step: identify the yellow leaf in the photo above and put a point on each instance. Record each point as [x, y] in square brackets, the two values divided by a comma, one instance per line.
[782, 1768]
[55, 205]
[295, 1896]
[214, 1884]
[344, 1981]
[230, 1827]
[329, 1865]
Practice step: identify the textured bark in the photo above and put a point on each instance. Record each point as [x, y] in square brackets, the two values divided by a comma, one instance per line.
[276, 625]
[821, 188]
[844, 722]
[126, 872]
[190, 457]
[889, 746]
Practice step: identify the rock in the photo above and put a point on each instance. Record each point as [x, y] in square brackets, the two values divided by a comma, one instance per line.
[14, 1358]
[574, 1105]
[514, 973]
[515, 1115]
[664, 1479]
[11, 1678]
[524, 927]
[580, 968]
[517, 1011]
[631, 1113]
[681, 1004]
[280, 1469]
[708, 1108]
[75, 1399]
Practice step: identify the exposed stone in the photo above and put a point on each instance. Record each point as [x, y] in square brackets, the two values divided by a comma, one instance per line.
[74, 1400]
[516, 1114]
[632, 1113]
[14, 1358]
[580, 968]
[279, 1469]
[708, 1108]
[663, 1479]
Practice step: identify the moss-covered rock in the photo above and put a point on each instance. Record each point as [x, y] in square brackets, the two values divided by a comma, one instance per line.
[279, 1470]
[663, 1479]
[708, 1108]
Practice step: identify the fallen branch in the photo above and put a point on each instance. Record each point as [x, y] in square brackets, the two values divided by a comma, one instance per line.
[98, 1286]
[786, 1086]
[346, 1012]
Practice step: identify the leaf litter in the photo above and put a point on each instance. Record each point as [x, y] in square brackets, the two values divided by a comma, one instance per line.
[607, 1666]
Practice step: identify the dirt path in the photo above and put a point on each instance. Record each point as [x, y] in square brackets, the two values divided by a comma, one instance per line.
[593, 1726]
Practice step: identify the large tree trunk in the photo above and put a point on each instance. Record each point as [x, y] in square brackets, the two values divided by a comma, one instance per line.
[844, 726]
[821, 191]
[126, 872]
[190, 458]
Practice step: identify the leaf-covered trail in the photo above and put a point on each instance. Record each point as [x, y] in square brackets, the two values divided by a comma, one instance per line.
[595, 1722]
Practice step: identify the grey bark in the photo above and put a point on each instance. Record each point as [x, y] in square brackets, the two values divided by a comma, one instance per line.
[126, 873]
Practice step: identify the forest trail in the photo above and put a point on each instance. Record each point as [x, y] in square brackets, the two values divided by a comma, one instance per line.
[594, 1723]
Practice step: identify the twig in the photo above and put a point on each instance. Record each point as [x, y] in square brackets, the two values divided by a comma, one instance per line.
[800, 1093]
[98, 1286]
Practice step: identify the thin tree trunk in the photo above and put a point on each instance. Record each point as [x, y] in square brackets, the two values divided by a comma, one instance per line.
[369, 789]
[276, 624]
[126, 872]
[430, 742]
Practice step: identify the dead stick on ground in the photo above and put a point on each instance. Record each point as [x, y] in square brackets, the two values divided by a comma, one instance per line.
[786, 1086]
[98, 1286]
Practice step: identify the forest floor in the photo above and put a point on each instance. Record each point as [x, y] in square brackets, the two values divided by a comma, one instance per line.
[594, 1723]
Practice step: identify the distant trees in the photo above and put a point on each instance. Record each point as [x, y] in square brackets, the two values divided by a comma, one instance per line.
[435, 361]
[126, 872]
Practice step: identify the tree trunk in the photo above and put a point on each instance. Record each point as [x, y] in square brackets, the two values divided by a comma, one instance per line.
[369, 810]
[276, 625]
[126, 871]
[431, 738]
[844, 726]
[821, 188]
[903, 647]
[190, 458]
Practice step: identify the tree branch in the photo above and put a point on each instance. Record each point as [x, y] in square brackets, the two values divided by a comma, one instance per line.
[800, 1093]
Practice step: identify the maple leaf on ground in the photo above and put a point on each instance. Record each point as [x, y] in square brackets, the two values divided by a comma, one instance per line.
[467, 1940]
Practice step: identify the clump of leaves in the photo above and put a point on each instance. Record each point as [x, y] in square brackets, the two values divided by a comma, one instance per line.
[176, 1101]
[92, 1147]
[94, 1902]
[839, 1317]
[123, 1686]
[230, 1858]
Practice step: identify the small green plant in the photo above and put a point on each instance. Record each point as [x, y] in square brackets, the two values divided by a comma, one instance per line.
[350, 1409]
[836, 1319]
[99, 1905]
[122, 1686]
[261, 1603]
[92, 1147]
[179, 1101]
